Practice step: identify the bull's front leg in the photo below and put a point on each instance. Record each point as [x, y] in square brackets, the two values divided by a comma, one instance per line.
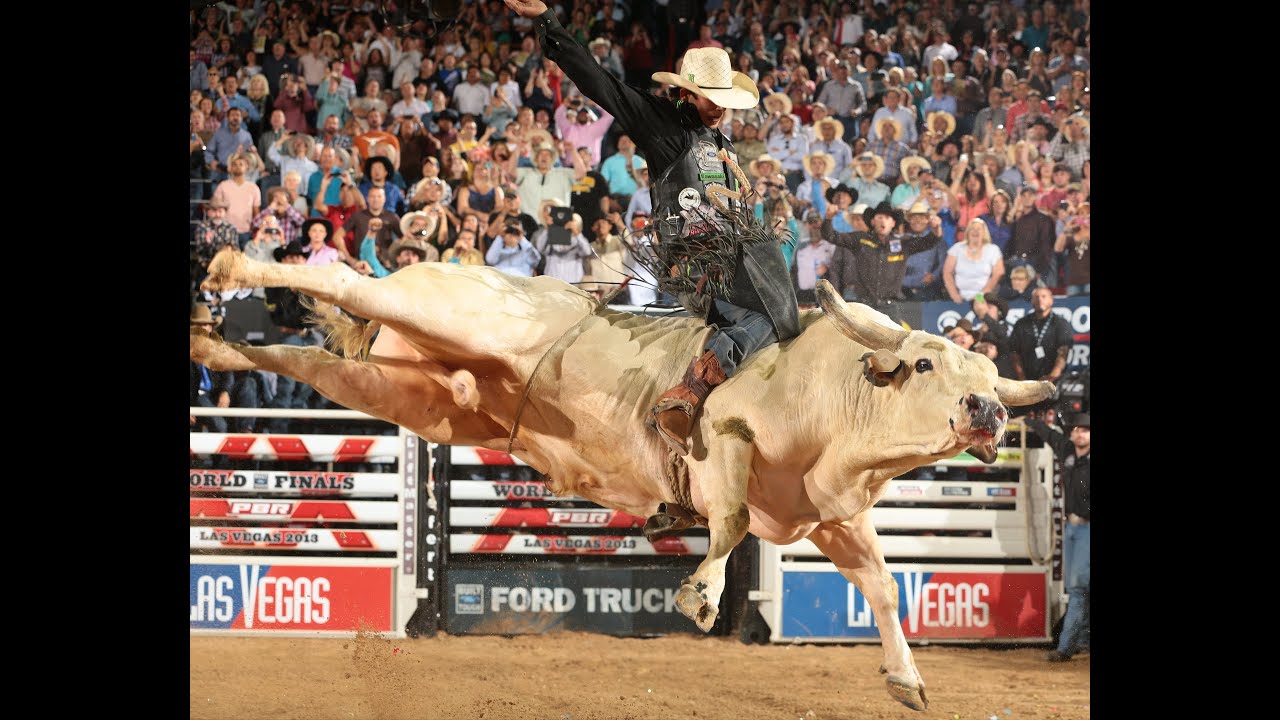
[854, 548]
[723, 488]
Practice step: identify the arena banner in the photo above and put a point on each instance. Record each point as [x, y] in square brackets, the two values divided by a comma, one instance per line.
[520, 544]
[502, 490]
[291, 597]
[956, 603]
[937, 315]
[542, 517]
[614, 601]
[301, 539]
[351, 511]
[307, 448]
[291, 482]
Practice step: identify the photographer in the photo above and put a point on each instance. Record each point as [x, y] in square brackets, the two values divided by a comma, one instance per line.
[514, 255]
[295, 101]
[562, 244]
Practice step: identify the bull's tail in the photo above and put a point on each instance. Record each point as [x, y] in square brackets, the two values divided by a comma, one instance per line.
[344, 335]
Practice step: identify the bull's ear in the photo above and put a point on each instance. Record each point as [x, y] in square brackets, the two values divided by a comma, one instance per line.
[880, 366]
[985, 452]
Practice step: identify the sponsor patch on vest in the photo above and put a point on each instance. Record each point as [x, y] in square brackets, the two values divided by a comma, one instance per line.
[896, 258]
[689, 198]
[706, 156]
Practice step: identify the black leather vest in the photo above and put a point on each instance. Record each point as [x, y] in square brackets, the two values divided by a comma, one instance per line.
[680, 203]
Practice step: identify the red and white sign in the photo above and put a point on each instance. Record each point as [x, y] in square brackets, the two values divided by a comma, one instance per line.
[251, 597]
[594, 517]
[520, 544]
[364, 511]
[292, 482]
[224, 538]
[316, 448]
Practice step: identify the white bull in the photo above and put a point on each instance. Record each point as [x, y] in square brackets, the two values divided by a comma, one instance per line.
[800, 443]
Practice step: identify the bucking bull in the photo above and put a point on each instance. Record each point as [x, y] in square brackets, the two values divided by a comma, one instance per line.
[800, 443]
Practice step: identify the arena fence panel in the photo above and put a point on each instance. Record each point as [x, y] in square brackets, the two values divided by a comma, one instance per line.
[972, 547]
[520, 560]
[311, 534]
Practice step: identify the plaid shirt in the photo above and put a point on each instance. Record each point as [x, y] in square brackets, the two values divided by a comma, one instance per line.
[290, 224]
[211, 237]
[1072, 153]
[892, 153]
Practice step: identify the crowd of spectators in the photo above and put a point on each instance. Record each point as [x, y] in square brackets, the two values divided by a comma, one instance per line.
[955, 134]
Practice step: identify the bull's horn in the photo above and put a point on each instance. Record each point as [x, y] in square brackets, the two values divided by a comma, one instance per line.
[857, 322]
[1024, 392]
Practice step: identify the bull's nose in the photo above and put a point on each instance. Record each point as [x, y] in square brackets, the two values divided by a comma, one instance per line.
[985, 412]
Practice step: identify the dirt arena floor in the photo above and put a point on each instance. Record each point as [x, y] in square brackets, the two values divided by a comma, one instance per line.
[579, 676]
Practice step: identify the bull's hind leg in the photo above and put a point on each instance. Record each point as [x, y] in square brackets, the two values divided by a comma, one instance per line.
[723, 486]
[401, 392]
[376, 299]
[854, 548]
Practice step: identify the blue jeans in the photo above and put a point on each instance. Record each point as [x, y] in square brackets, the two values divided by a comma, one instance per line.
[289, 392]
[739, 332]
[1075, 550]
[214, 423]
[1078, 289]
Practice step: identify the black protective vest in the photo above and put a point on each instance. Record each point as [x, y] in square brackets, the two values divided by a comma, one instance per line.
[679, 197]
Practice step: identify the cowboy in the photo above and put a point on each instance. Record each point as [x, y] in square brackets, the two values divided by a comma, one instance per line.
[209, 388]
[748, 297]
[882, 257]
[411, 250]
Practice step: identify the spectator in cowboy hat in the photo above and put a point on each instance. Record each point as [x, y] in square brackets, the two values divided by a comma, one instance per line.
[209, 388]
[763, 166]
[410, 250]
[888, 144]
[818, 179]
[896, 108]
[828, 133]
[857, 217]
[423, 226]
[290, 316]
[867, 167]
[318, 234]
[941, 122]
[923, 279]
[377, 173]
[917, 174]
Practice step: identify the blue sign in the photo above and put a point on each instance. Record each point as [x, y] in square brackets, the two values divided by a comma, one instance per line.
[937, 315]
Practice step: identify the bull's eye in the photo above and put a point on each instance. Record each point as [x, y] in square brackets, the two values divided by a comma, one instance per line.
[924, 365]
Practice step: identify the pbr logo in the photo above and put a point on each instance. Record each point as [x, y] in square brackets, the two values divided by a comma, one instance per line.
[579, 518]
[468, 599]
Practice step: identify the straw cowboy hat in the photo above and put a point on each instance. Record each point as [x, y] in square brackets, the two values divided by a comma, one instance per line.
[599, 41]
[309, 141]
[780, 102]
[252, 161]
[947, 118]
[406, 222]
[1011, 152]
[914, 161]
[408, 243]
[708, 72]
[829, 121]
[806, 161]
[868, 156]
[897, 127]
[918, 208]
[754, 165]
[200, 315]
[538, 137]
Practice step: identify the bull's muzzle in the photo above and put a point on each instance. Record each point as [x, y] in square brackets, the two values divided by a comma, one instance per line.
[985, 415]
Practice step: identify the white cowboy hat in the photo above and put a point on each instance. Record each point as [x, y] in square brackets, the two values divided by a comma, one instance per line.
[897, 126]
[707, 72]
[831, 164]
[754, 165]
[407, 221]
[879, 168]
[914, 161]
[409, 243]
[947, 118]
[830, 121]
[1011, 152]
[918, 208]
[779, 100]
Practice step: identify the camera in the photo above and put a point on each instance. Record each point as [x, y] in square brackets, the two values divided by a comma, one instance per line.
[1073, 394]
[561, 215]
[272, 231]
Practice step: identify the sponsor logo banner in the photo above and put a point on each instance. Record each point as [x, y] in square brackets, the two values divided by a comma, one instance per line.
[937, 315]
[936, 605]
[569, 597]
[285, 597]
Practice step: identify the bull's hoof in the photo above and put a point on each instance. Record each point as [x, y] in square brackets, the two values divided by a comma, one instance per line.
[908, 692]
[215, 354]
[693, 605]
[222, 271]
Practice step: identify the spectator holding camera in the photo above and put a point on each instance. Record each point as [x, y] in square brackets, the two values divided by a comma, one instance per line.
[514, 255]
[296, 103]
[288, 219]
[562, 244]
[1073, 241]
[463, 250]
[1070, 147]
